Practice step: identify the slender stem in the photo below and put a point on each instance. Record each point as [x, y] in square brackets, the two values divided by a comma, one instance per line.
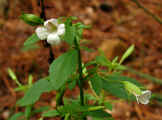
[45, 43]
[80, 82]
[43, 14]
[60, 94]
[148, 12]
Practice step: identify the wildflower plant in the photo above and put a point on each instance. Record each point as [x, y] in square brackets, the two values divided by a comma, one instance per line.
[68, 71]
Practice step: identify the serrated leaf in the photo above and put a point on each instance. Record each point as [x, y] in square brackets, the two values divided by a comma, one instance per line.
[16, 116]
[61, 69]
[31, 40]
[51, 113]
[127, 53]
[96, 82]
[31, 19]
[33, 94]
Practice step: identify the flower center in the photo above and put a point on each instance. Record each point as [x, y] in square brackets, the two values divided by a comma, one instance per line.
[51, 27]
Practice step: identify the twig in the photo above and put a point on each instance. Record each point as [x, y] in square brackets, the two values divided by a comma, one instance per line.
[148, 12]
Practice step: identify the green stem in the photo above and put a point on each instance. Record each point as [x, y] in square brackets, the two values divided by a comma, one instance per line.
[80, 82]
[45, 43]
[148, 12]
[59, 97]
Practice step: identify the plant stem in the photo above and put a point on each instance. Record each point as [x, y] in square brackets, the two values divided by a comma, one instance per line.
[45, 43]
[60, 94]
[80, 82]
[148, 12]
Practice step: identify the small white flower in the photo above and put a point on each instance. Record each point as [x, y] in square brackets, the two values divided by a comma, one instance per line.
[144, 97]
[51, 31]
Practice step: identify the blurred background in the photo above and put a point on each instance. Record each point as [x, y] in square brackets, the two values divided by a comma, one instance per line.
[116, 24]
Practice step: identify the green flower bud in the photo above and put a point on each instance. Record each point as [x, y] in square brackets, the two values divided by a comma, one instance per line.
[31, 19]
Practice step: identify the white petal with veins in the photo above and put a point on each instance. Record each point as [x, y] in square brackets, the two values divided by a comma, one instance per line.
[42, 33]
[144, 97]
[51, 31]
[53, 38]
[53, 21]
[61, 29]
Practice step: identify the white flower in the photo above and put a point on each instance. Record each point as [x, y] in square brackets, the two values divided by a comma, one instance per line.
[51, 31]
[144, 97]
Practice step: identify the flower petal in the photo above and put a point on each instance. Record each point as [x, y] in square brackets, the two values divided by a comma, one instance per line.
[61, 29]
[144, 97]
[53, 39]
[52, 20]
[42, 32]
[148, 92]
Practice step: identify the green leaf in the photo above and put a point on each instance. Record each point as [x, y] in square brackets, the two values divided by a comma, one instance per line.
[69, 32]
[61, 69]
[87, 49]
[41, 109]
[115, 77]
[31, 40]
[79, 30]
[51, 113]
[113, 84]
[16, 116]
[13, 76]
[132, 88]
[22, 88]
[75, 108]
[96, 82]
[102, 60]
[108, 105]
[72, 84]
[30, 47]
[28, 111]
[144, 75]
[90, 97]
[99, 114]
[115, 88]
[33, 94]
[127, 53]
[31, 19]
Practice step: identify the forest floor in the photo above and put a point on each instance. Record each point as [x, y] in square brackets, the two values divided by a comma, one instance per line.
[114, 28]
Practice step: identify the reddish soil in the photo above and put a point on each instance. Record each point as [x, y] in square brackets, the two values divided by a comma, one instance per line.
[121, 20]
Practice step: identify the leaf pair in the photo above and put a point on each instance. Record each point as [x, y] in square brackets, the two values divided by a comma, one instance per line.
[60, 70]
